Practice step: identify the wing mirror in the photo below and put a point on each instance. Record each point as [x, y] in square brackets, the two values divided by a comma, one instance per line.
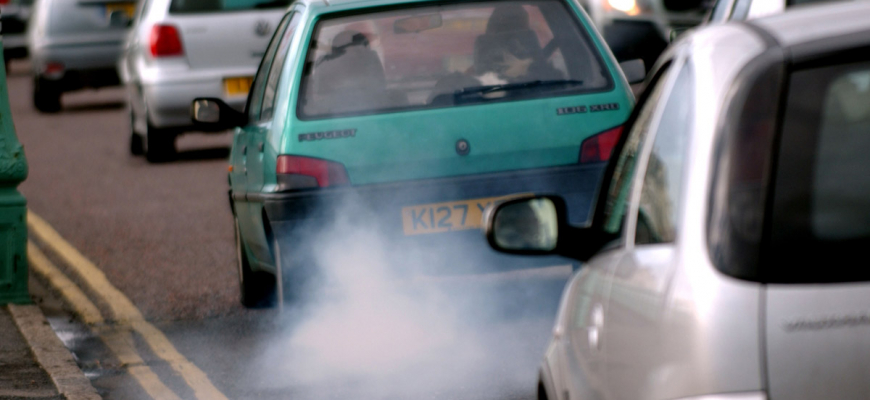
[212, 114]
[526, 225]
[634, 70]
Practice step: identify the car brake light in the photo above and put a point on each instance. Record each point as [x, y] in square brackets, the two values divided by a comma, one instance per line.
[597, 148]
[165, 41]
[53, 70]
[296, 172]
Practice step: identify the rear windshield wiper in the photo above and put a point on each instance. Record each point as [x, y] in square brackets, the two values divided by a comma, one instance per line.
[506, 87]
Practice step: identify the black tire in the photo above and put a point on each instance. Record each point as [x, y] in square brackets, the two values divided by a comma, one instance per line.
[159, 145]
[137, 145]
[257, 288]
[46, 96]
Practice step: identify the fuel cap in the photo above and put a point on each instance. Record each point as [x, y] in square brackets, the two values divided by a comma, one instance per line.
[462, 147]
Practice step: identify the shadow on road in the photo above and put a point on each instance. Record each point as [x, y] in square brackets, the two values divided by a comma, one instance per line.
[203, 154]
[112, 105]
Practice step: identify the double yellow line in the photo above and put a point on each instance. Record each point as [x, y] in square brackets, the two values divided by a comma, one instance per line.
[125, 320]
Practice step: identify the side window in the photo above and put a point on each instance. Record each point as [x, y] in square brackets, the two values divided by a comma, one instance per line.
[618, 190]
[662, 181]
[255, 98]
[277, 66]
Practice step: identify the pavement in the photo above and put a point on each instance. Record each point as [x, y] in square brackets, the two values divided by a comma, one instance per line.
[34, 363]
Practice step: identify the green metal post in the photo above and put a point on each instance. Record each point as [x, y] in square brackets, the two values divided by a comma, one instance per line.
[13, 206]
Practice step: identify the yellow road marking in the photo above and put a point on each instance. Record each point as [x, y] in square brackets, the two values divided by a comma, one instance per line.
[87, 311]
[123, 309]
[118, 339]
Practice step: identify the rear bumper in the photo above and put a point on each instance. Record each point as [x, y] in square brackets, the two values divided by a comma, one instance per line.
[169, 103]
[304, 219]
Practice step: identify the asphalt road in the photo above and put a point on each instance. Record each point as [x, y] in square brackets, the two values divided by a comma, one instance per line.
[163, 235]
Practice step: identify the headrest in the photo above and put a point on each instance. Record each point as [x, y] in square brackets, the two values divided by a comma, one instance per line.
[349, 38]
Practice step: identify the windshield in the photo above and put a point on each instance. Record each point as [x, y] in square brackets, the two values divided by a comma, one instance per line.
[430, 57]
[201, 6]
[69, 16]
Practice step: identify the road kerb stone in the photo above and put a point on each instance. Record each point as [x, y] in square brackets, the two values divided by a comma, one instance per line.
[51, 354]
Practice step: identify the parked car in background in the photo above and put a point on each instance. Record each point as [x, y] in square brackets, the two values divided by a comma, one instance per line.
[13, 26]
[642, 28]
[723, 255]
[419, 113]
[75, 44]
[178, 50]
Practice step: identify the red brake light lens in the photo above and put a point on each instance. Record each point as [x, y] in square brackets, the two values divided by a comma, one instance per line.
[296, 172]
[165, 41]
[598, 148]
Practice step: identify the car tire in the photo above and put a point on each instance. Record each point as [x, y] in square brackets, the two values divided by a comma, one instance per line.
[257, 288]
[159, 145]
[46, 96]
[137, 145]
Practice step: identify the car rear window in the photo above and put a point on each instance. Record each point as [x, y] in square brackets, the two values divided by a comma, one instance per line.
[85, 16]
[205, 6]
[820, 223]
[427, 57]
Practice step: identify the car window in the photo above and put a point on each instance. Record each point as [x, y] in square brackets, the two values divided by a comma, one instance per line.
[821, 209]
[277, 66]
[620, 183]
[201, 6]
[258, 87]
[662, 181]
[456, 54]
[69, 17]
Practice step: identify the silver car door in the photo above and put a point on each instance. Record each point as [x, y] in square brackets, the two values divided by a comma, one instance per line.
[640, 279]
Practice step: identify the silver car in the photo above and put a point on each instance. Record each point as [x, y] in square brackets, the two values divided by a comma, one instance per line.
[724, 254]
[74, 44]
[179, 50]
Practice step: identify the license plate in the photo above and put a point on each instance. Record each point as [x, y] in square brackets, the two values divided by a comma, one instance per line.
[446, 217]
[237, 86]
[127, 8]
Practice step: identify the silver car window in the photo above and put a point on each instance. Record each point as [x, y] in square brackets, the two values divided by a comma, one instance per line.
[662, 182]
[205, 6]
[73, 17]
[616, 202]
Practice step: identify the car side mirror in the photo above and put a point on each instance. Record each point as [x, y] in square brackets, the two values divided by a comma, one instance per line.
[526, 225]
[634, 70]
[214, 114]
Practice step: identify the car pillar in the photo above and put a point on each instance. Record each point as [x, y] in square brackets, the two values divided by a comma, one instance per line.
[13, 206]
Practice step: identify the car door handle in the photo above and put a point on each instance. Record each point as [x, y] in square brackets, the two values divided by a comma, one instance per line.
[261, 147]
[595, 327]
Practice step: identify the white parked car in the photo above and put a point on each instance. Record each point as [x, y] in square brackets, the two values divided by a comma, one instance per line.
[724, 257]
[178, 50]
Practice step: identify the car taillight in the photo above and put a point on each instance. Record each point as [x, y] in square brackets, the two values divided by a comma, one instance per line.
[295, 172]
[597, 148]
[165, 41]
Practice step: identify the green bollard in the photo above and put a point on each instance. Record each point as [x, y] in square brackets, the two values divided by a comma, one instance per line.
[13, 206]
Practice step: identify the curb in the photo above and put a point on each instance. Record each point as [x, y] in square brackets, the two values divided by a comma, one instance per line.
[51, 354]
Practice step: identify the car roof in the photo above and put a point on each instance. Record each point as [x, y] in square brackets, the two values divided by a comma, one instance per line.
[327, 6]
[818, 22]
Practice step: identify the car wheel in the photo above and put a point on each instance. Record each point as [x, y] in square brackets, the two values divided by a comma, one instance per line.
[137, 145]
[257, 288]
[46, 96]
[159, 144]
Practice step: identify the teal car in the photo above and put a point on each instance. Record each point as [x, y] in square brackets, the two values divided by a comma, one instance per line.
[421, 113]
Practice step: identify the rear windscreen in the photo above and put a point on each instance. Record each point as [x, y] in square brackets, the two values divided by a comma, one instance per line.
[204, 6]
[428, 57]
[71, 16]
[820, 224]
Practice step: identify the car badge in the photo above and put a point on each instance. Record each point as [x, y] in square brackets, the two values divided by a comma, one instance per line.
[462, 147]
[262, 28]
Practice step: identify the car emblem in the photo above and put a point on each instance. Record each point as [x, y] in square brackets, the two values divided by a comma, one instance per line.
[462, 147]
[262, 28]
